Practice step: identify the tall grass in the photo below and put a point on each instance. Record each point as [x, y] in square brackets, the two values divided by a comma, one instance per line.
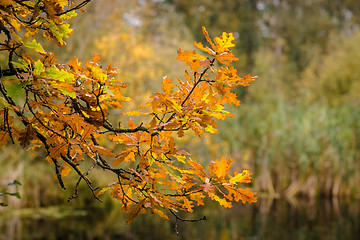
[297, 149]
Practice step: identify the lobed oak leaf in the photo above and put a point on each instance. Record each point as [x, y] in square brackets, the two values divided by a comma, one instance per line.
[124, 156]
[96, 58]
[75, 65]
[205, 49]
[224, 42]
[167, 87]
[161, 213]
[34, 45]
[102, 150]
[65, 169]
[135, 211]
[198, 197]
[198, 169]
[244, 177]
[180, 132]
[192, 59]
[220, 168]
[209, 128]
[4, 137]
[38, 68]
[221, 201]
[206, 34]
[26, 135]
[245, 195]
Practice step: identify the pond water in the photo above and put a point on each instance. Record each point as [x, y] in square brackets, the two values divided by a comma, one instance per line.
[267, 219]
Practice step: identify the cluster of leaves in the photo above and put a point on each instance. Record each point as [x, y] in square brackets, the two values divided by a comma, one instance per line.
[65, 109]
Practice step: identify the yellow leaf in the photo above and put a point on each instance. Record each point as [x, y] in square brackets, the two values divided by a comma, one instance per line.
[220, 168]
[102, 191]
[133, 113]
[209, 128]
[221, 201]
[224, 42]
[244, 177]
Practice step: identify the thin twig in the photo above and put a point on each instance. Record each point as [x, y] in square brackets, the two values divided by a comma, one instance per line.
[184, 220]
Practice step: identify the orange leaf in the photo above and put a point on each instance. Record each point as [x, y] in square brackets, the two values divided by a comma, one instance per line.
[167, 87]
[131, 124]
[220, 168]
[135, 211]
[244, 195]
[161, 213]
[27, 135]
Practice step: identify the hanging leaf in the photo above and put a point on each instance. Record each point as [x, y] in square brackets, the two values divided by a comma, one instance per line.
[34, 45]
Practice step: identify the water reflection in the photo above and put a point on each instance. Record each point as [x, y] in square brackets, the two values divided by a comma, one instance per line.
[268, 219]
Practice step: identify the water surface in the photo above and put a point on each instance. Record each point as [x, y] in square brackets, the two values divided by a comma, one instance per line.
[267, 219]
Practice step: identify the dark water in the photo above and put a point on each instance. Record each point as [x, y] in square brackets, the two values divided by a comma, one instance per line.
[267, 219]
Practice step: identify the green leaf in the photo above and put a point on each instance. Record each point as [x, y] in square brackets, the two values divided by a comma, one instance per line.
[15, 183]
[69, 15]
[22, 64]
[60, 31]
[66, 93]
[16, 194]
[16, 89]
[34, 45]
[59, 74]
[38, 68]
[209, 128]
[3, 204]
[170, 172]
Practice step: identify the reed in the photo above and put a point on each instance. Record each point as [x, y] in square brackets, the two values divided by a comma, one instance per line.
[297, 148]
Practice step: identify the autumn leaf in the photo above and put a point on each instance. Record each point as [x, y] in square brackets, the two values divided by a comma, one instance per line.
[167, 87]
[245, 195]
[131, 124]
[160, 213]
[27, 135]
[220, 168]
[34, 45]
[224, 42]
[135, 211]
[221, 201]
[208, 187]
[133, 113]
[244, 177]
[102, 191]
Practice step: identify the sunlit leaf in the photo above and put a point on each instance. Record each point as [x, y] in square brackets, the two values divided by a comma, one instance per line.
[34, 45]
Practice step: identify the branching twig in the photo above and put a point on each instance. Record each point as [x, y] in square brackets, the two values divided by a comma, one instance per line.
[184, 220]
[80, 5]
[76, 168]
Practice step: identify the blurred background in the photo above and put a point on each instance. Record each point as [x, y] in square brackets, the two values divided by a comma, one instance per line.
[297, 130]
